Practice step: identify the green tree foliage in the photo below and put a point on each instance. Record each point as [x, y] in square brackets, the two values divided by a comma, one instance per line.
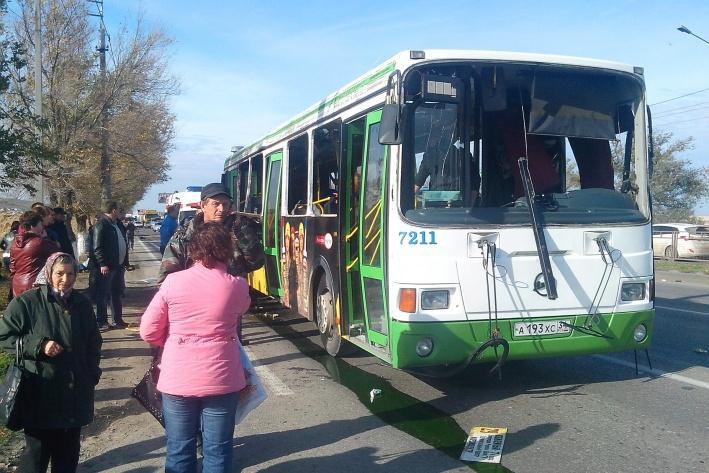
[22, 157]
[677, 185]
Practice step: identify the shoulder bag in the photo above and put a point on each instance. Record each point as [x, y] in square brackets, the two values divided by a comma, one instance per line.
[146, 392]
[10, 415]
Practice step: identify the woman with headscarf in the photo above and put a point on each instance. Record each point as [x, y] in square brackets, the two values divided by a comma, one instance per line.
[28, 252]
[194, 316]
[61, 348]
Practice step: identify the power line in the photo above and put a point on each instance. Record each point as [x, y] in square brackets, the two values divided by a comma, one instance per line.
[679, 97]
[682, 121]
[681, 108]
[688, 109]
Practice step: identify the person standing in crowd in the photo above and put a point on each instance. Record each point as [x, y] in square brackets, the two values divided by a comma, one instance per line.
[201, 372]
[61, 347]
[47, 215]
[109, 256]
[130, 233]
[29, 252]
[6, 243]
[60, 229]
[216, 207]
[168, 227]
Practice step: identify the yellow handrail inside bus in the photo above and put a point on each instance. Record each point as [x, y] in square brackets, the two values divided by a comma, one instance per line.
[352, 233]
[374, 238]
[374, 220]
[351, 265]
[376, 250]
[379, 202]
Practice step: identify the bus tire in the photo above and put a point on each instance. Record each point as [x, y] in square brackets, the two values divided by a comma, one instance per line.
[325, 317]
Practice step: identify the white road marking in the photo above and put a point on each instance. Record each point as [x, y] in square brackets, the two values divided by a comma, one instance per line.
[272, 382]
[656, 372]
[153, 252]
[681, 310]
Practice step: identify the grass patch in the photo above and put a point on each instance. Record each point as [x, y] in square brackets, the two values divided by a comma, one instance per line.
[682, 266]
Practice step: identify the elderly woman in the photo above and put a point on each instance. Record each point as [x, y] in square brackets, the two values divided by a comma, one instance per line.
[28, 252]
[194, 317]
[61, 351]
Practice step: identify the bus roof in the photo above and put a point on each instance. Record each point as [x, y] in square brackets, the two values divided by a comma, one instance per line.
[376, 79]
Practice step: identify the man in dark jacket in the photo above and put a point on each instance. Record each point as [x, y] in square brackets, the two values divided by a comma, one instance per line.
[109, 255]
[61, 231]
[216, 206]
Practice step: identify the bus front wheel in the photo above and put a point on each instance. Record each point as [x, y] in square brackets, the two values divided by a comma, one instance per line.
[326, 319]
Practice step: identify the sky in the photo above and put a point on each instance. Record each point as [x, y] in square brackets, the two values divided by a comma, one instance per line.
[247, 66]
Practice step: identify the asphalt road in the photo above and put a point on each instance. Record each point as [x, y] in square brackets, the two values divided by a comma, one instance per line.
[590, 414]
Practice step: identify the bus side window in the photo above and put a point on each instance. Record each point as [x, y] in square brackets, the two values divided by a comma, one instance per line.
[240, 195]
[255, 194]
[298, 175]
[326, 150]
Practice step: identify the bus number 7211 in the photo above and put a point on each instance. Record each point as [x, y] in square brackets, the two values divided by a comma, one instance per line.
[417, 238]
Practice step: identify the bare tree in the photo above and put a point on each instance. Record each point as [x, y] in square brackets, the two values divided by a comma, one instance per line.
[139, 122]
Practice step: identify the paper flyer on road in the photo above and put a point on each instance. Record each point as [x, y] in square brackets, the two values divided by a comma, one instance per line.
[484, 444]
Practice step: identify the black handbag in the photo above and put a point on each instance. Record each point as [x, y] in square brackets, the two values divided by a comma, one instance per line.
[10, 416]
[146, 392]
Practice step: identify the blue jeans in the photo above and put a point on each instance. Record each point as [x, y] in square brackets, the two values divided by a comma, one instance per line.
[183, 417]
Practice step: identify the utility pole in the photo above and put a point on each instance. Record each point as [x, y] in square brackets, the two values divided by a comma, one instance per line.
[38, 81]
[105, 163]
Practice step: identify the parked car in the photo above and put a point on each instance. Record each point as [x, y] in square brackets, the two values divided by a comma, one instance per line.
[692, 240]
[156, 224]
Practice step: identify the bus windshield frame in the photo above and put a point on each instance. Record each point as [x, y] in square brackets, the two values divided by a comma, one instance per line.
[582, 129]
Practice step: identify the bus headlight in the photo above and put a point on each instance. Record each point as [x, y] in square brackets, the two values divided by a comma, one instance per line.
[424, 347]
[640, 333]
[632, 291]
[432, 300]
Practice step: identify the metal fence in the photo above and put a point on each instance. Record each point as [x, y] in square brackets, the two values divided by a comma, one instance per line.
[680, 245]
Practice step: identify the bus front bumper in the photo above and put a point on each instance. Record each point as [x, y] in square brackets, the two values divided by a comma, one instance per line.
[454, 342]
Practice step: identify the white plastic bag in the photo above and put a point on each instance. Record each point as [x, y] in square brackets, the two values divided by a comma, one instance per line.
[253, 394]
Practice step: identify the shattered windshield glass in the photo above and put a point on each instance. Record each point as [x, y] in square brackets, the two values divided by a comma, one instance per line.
[579, 128]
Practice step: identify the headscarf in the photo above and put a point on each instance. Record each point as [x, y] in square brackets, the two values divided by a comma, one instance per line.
[44, 278]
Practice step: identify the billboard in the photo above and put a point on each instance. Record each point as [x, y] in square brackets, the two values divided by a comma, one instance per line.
[163, 196]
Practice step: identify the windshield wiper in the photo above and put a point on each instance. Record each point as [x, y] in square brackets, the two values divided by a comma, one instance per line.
[536, 215]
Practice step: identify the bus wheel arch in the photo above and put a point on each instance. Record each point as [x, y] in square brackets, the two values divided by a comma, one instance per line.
[324, 309]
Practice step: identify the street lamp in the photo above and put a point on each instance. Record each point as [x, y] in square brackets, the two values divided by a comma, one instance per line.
[684, 29]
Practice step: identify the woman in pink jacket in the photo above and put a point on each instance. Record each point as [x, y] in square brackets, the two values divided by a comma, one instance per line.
[194, 317]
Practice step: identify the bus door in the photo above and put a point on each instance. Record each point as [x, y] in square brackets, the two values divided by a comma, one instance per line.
[353, 140]
[271, 220]
[371, 227]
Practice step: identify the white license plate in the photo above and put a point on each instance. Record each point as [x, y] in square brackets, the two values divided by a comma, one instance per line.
[528, 329]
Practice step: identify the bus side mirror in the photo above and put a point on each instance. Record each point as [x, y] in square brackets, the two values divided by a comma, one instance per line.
[389, 128]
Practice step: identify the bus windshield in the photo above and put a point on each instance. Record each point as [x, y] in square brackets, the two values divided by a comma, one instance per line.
[582, 131]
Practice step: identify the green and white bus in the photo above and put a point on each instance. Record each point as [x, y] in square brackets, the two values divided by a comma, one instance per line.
[451, 207]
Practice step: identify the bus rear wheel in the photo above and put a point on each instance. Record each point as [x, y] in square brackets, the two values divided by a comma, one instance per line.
[326, 318]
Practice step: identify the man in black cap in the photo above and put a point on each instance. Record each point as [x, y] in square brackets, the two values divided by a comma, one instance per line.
[216, 207]
[62, 232]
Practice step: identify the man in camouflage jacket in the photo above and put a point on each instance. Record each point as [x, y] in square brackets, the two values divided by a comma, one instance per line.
[216, 205]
